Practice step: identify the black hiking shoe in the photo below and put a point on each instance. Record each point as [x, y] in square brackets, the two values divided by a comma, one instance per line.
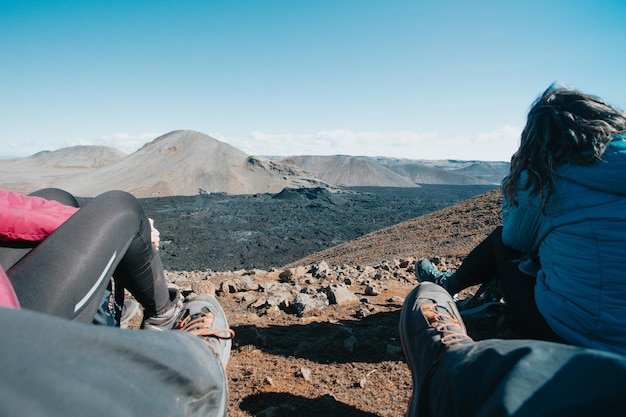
[430, 324]
[487, 302]
[165, 319]
[203, 316]
[425, 271]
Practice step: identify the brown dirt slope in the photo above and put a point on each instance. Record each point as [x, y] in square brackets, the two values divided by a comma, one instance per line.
[449, 233]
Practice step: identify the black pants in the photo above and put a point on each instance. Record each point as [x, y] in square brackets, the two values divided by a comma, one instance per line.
[526, 378]
[66, 275]
[491, 259]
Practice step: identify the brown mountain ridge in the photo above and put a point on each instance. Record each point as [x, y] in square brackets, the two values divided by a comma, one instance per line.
[186, 162]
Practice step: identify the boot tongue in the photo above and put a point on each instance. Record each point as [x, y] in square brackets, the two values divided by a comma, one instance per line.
[202, 313]
[195, 316]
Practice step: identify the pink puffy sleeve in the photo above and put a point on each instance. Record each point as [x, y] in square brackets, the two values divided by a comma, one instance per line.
[7, 294]
[27, 218]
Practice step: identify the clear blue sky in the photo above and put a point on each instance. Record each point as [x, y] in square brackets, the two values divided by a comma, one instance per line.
[418, 79]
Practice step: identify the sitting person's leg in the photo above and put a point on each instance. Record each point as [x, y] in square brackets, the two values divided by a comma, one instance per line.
[492, 260]
[11, 252]
[66, 274]
[517, 288]
[57, 194]
[57, 367]
[478, 267]
[528, 378]
[454, 376]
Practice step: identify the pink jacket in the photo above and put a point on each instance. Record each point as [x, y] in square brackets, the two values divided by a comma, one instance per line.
[7, 294]
[26, 218]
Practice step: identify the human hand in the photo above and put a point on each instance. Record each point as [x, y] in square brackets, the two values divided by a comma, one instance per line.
[155, 235]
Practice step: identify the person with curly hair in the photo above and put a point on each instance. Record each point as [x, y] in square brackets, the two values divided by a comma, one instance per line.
[560, 255]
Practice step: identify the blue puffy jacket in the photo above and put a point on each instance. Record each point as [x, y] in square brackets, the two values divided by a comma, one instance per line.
[581, 245]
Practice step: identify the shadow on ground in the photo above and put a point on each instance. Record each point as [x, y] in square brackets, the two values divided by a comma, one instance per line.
[288, 405]
[371, 339]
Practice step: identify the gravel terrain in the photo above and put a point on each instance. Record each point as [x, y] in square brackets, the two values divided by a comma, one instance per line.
[319, 334]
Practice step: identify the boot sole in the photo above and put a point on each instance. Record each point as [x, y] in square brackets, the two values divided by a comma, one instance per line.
[407, 308]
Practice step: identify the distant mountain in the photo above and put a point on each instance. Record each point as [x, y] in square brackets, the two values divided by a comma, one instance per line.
[349, 171]
[185, 162]
[493, 172]
[352, 171]
[420, 174]
[447, 171]
[78, 157]
[42, 169]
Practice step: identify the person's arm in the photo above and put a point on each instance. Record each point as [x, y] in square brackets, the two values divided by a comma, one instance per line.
[28, 218]
[155, 235]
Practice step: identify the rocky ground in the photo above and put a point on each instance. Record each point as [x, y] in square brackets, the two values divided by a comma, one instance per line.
[319, 335]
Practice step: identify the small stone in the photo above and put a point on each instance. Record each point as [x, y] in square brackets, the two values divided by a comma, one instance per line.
[320, 270]
[340, 294]
[362, 312]
[273, 311]
[203, 287]
[373, 289]
[286, 276]
[245, 283]
[247, 298]
[303, 303]
[396, 300]
[298, 272]
[228, 287]
[361, 383]
[305, 373]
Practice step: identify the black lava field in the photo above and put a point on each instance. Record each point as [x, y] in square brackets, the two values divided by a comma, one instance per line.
[227, 232]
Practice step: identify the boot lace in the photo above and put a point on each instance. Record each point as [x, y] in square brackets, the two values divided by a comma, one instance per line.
[201, 324]
[446, 324]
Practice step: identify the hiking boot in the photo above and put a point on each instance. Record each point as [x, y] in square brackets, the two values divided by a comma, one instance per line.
[165, 319]
[430, 324]
[426, 271]
[488, 301]
[203, 316]
[129, 310]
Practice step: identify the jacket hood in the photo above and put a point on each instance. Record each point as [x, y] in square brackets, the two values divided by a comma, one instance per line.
[607, 175]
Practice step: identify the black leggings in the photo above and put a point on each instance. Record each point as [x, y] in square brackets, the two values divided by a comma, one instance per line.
[491, 259]
[66, 275]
